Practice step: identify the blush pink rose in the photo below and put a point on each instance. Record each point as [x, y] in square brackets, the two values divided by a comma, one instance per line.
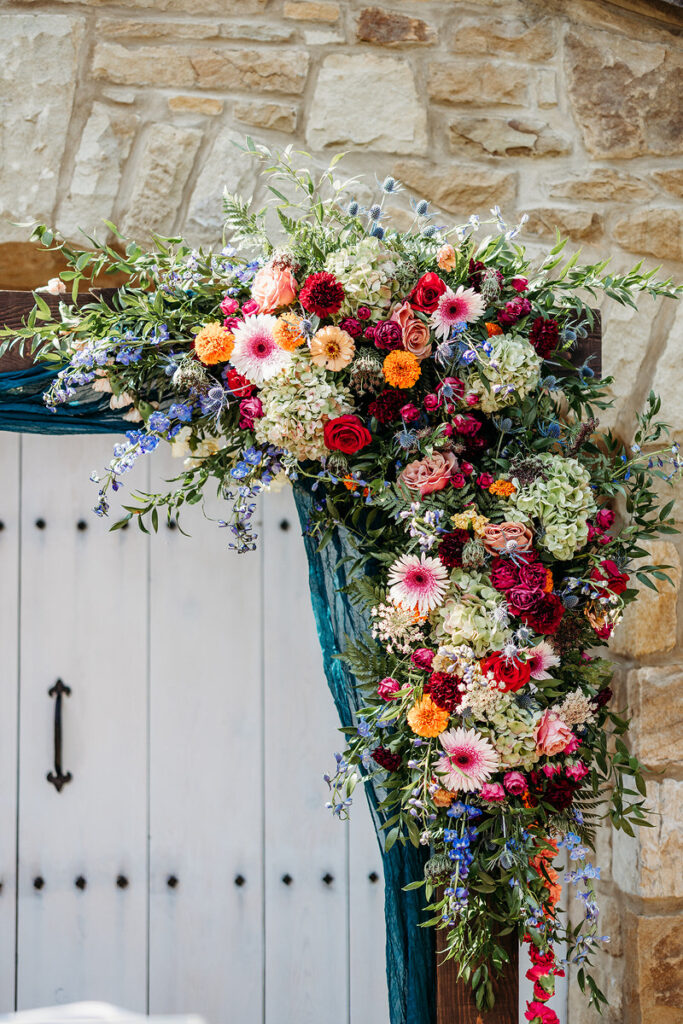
[552, 734]
[497, 536]
[387, 688]
[514, 782]
[273, 287]
[415, 334]
[429, 474]
[493, 792]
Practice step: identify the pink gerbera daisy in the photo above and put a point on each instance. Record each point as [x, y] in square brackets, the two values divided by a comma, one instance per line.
[468, 762]
[461, 306]
[256, 354]
[417, 581]
[541, 658]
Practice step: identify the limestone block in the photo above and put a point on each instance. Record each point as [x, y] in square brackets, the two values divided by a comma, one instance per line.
[251, 70]
[577, 223]
[625, 93]
[264, 32]
[655, 699]
[224, 167]
[309, 11]
[546, 87]
[390, 28]
[459, 188]
[654, 975]
[195, 105]
[145, 65]
[626, 334]
[162, 175]
[667, 377]
[479, 83]
[649, 866]
[654, 232]
[602, 185]
[100, 158]
[279, 116]
[649, 623]
[38, 79]
[524, 38]
[671, 181]
[370, 100]
[501, 136]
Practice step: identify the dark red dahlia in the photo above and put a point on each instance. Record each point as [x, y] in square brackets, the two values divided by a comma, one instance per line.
[546, 616]
[560, 792]
[544, 336]
[386, 408]
[450, 548]
[385, 759]
[443, 689]
[321, 294]
[388, 335]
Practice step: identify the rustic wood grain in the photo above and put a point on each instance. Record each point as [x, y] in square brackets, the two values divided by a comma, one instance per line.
[454, 1002]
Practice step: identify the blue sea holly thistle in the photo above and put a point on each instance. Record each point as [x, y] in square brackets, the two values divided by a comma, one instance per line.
[418, 389]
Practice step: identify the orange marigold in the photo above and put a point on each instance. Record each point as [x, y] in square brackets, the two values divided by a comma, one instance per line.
[503, 488]
[443, 797]
[426, 718]
[493, 329]
[287, 331]
[214, 343]
[549, 581]
[401, 369]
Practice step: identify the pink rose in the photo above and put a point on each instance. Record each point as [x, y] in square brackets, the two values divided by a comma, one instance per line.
[466, 468]
[573, 745]
[273, 287]
[520, 284]
[458, 480]
[415, 334]
[605, 518]
[472, 399]
[576, 771]
[250, 410]
[231, 322]
[514, 782]
[552, 734]
[387, 688]
[493, 792]
[422, 658]
[229, 305]
[409, 413]
[363, 312]
[550, 769]
[431, 402]
[484, 480]
[429, 474]
[447, 430]
[467, 425]
[250, 307]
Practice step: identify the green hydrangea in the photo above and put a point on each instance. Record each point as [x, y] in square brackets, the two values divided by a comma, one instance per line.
[472, 614]
[513, 370]
[562, 504]
[510, 728]
[367, 272]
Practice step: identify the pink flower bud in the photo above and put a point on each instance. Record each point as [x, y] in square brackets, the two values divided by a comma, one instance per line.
[387, 688]
[409, 413]
[229, 305]
[422, 658]
[250, 307]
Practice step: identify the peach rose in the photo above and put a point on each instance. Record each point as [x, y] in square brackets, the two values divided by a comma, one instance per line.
[445, 257]
[552, 734]
[273, 287]
[429, 474]
[498, 535]
[416, 338]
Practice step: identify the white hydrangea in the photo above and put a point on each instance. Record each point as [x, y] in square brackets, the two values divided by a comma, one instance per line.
[297, 403]
[512, 371]
[562, 503]
[367, 273]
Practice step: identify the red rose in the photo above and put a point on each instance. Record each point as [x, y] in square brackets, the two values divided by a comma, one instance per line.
[503, 574]
[523, 599]
[484, 480]
[346, 434]
[512, 672]
[427, 292]
[610, 578]
[546, 616]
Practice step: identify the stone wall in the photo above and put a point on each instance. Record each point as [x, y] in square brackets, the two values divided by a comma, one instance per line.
[128, 110]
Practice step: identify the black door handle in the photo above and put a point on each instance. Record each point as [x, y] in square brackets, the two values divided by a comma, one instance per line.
[58, 778]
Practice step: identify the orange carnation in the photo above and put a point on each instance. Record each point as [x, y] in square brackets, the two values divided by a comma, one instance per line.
[443, 797]
[401, 369]
[493, 329]
[426, 718]
[214, 344]
[503, 488]
[287, 331]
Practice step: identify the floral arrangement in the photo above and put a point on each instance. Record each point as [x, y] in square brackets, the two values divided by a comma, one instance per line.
[419, 384]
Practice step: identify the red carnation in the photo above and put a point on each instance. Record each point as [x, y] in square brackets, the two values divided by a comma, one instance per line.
[239, 385]
[386, 408]
[450, 548]
[539, 1013]
[321, 294]
[427, 292]
[546, 616]
[443, 689]
[513, 311]
[511, 672]
[544, 336]
[610, 579]
[346, 434]
[384, 757]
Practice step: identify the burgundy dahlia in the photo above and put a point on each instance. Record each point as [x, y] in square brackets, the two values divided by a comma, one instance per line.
[443, 689]
[450, 548]
[386, 408]
[385, 759]
[388, 335]
[544, 336]
[321, 294]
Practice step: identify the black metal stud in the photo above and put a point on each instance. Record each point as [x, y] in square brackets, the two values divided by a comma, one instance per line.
[284, 525]
[240, 880]
[81, 525]
[287, 879]
[2, 525]
[172, 881]
[38, 882]
[80, 883]
[40, 524]
[1, 885]
[172, 525]
[122, 882]
[373, 876]
[328, 879]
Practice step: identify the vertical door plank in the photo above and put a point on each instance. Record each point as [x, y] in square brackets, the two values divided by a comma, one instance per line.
[369, 997]
[9, 677]
[206, 812]
[84, 619]
[306, 921]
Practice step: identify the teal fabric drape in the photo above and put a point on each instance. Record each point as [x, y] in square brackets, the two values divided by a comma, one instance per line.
[410, 957]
